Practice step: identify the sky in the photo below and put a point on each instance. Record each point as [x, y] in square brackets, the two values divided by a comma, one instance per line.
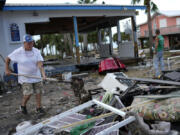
[141, 18]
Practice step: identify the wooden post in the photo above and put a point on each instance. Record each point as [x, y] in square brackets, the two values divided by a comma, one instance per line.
[99, 37]
[111, 40]
[142, 44]
[118, 35]
[76, 39]
[134, 36]
[85, 43]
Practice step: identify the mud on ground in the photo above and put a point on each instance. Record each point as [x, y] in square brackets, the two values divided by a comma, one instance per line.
[57, 98]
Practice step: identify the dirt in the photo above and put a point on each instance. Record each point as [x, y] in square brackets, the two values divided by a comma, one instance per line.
[57, 98]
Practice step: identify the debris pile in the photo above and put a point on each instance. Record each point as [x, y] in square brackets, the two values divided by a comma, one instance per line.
[124, 106]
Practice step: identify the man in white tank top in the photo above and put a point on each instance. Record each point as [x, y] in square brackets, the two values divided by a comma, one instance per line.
[30, 62]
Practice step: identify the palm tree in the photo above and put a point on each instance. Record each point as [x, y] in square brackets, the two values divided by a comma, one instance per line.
[92, 38]
[58, 41]
[124, 36]
[151, 7]
[68, 41]
[42, 42]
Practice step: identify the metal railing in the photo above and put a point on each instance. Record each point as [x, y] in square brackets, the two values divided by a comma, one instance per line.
[170, 30]
[164, 31]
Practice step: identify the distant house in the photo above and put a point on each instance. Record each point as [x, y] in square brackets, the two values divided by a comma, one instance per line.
[169, 24]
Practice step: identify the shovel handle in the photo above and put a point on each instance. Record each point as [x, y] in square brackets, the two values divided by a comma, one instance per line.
[36, 77]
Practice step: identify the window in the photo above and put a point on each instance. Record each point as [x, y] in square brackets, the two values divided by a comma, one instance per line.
[14, 29]
[163, 23]
[154, 22]
[177, 21]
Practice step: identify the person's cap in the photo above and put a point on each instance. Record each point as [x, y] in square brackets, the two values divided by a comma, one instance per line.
[27, 38]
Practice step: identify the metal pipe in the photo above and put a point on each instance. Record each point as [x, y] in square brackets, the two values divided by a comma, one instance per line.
[117, 111]
[119, 101]
[33, 129]
[117, 126]
[76, 31]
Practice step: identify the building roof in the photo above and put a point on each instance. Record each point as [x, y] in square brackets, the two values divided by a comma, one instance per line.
[40, 6]
[170, 13]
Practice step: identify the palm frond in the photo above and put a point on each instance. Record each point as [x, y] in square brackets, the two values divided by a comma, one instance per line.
[135, 1]
[146, 2]
[154, 7]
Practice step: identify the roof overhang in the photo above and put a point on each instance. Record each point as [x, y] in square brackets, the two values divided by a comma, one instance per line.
[65, 24]
[20, 7]
[94, 16]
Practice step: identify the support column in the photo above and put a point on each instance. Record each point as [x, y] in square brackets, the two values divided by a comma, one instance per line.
[118, 34]
[99, 40]
[111, 41]
[76, 39]
[85, 43]
[142, 44]
[134, 36]
[99, 37]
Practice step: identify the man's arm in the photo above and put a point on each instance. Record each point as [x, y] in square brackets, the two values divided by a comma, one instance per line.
[7, 62]
[40, 66]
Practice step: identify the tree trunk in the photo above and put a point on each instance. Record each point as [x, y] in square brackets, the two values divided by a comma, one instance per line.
[61, 54]
[49, 47]
[42, 52]
[46, 50]
[85, 42]
[66, 43]
[150, 29]
[70, 43]
[81, 47]
[94, 47]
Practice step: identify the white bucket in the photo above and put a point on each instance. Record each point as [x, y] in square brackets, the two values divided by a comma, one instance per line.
[67, 76]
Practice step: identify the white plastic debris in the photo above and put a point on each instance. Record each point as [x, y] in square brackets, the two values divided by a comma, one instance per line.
[110, 84]
[67, 76]
[23, 126]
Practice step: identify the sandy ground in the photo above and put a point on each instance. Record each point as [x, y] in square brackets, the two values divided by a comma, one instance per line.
[57, 98]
